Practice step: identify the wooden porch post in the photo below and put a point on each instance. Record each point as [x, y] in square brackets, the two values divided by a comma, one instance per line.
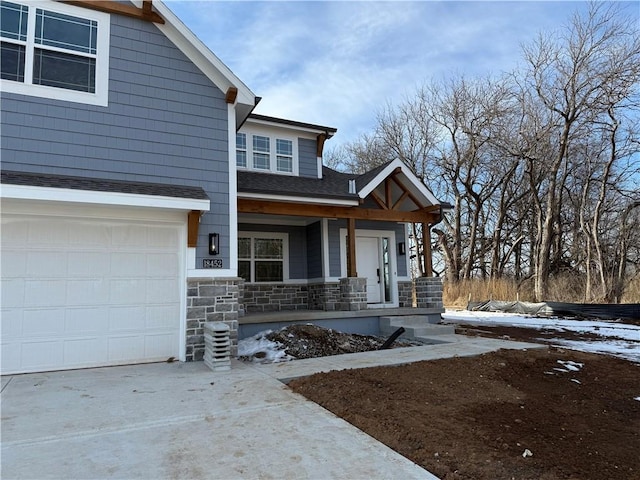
[426, 250]
[351, 248]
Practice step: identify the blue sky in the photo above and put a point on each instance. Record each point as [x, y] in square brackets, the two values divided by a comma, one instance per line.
[337, 63]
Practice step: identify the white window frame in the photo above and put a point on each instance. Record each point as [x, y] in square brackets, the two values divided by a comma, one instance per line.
[273, 154]
[101, 95]
[268, 235]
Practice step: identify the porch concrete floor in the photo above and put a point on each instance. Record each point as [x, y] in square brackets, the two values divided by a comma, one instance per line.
[311, 315]
[181, 420]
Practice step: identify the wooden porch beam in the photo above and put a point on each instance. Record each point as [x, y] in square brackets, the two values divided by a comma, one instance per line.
[145, 13]
[351, 248]
[378, 200]
[246, 205]
[402, 198]
[387, 193]
[426, 250]
[405, 189]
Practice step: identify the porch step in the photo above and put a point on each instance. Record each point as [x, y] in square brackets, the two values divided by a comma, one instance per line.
[417, 327]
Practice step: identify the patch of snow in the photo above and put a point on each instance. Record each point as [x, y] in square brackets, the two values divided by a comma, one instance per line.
[569, 365]
[617, 339]
[637, 398]
[268, 351]
[576, 380]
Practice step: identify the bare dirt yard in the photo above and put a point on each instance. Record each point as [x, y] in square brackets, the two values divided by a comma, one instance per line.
[541, 414]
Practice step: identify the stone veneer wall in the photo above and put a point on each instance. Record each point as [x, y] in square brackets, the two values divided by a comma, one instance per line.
[274, 297]
[429, 292]
[324, 296]
[211, 300]
[405, 294]
[353, 294]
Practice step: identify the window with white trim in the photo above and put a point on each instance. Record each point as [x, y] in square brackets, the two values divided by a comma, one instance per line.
[262, 257]
[53, 50]
[266, 153]
[241, 150]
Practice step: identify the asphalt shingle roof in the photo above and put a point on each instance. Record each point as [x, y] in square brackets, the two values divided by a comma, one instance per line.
[332, 184]
[100, 185]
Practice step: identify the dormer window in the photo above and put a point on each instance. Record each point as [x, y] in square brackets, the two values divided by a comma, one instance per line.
[59, 52]
[265, 153]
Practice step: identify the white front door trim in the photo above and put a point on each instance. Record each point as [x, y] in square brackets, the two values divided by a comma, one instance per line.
[393, 268]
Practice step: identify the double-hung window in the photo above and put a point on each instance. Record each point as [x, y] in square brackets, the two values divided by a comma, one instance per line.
[266, 153]
[262, 257]
[53, 50]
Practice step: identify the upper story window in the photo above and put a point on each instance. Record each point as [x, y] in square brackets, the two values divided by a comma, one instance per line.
[266, 153]
[55, 51]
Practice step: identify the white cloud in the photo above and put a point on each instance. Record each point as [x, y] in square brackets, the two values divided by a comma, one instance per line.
[337, 63]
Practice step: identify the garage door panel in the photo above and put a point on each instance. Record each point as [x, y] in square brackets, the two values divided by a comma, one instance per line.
[157, 345]
[127, 291]
[47, 263]
[42, 354]
[12, 320]
[130, 236]
[88, 264]
[162, 237]
[160, 316]
[43, 322]
[159, 264]
[45, 293]
[48, 232]
[13, 292]
[85, 321]
[85, 351]
[126, 264]
[126, 319]
[14, 265]
[84, 292]
[87, 291]
[90, 235]
[162, 290]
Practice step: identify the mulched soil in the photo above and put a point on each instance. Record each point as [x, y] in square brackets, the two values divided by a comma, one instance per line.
[475, 417]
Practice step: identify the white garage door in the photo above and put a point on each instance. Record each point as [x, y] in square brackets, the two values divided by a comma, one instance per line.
[84, 292]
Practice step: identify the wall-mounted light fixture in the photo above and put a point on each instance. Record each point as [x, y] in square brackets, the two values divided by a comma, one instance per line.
[402, 249]
[214, 244]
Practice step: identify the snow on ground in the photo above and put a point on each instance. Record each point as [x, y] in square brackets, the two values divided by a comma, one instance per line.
[617, 339]
[269, 352]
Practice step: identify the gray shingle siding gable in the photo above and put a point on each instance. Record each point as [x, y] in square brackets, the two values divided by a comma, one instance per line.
[165, 123]
[307, 160]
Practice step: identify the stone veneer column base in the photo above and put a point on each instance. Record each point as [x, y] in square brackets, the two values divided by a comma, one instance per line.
[353, 294]
[429, 292]
[211, 300]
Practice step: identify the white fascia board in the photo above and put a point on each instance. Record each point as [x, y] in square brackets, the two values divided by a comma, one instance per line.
[304, 200]
[25, 192]
[201, 55]
[415, 181]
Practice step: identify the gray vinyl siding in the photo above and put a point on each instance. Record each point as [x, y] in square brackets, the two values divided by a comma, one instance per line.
[165, 123]
[334, 243]
[307, 159]
[314, 250]
[297, 245]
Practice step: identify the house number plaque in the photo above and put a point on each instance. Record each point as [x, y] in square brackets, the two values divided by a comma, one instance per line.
[212, 263]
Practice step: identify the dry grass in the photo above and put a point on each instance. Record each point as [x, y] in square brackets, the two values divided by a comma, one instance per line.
[563, 288]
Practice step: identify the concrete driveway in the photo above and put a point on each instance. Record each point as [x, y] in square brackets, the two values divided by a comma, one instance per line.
[180, 421]
[183, 421]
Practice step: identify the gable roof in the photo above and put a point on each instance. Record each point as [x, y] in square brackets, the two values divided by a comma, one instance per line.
[335, 185]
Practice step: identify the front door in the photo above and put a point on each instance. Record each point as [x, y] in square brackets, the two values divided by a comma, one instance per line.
[368, 266]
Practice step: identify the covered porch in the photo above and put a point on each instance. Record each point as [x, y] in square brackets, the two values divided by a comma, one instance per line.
[347, 244]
